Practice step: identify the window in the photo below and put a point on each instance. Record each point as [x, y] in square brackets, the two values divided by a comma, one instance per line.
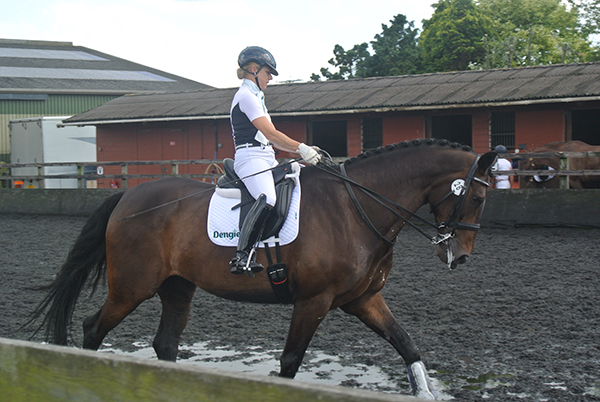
[502, 130]
[455, 128]
[331, 137]
[584, 126]
[372, 133]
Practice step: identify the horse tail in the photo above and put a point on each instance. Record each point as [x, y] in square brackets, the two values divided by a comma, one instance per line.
[87, 256]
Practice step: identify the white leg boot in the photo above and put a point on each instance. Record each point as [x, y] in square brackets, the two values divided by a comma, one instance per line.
[420, 382]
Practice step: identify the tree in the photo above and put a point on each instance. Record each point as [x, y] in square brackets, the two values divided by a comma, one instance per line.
[533, 32]
[589, 11]
[345, 61]
[394, 53]
[395, 50]
[453, 39]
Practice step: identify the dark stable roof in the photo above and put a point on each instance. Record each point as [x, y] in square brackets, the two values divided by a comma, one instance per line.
[526, 85]
[60, 67]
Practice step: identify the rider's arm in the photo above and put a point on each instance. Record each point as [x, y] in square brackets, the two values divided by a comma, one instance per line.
[279, 139]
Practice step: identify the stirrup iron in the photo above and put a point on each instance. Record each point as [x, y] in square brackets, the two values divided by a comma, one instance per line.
[252, 266]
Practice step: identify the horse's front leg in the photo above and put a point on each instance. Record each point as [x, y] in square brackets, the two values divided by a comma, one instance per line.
[306, 317]
[374, 312]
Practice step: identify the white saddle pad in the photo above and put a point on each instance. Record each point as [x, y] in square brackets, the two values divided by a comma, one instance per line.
[223, 222]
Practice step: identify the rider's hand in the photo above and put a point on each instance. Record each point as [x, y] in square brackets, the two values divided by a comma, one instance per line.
[310, 155]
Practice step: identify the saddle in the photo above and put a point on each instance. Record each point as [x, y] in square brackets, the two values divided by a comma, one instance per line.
[231, 186]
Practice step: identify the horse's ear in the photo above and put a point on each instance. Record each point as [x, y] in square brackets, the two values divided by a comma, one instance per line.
[486, 162]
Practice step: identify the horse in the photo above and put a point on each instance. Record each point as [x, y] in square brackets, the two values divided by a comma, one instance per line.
[553, 163]
[152, 239]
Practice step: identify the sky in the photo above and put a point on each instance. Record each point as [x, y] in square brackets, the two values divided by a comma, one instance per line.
[201, 39]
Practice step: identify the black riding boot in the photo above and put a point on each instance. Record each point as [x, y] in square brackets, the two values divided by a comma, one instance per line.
[252, 228]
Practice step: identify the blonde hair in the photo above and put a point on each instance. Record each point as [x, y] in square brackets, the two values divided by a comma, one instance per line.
[240, 71]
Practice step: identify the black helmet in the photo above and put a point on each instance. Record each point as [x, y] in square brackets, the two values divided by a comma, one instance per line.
[501, 149]
[260, 56]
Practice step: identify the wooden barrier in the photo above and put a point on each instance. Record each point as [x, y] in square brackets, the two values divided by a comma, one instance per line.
[7, 180]
[31, 372]
[543, 207]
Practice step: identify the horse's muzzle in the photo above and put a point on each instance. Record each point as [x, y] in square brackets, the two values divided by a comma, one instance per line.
[460, 260]
[451, 257]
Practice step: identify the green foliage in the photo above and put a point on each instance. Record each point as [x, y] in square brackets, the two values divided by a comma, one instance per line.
[463, 34]
[453, 39]
[395, 50]
[589, 11]
[533, 32]
[394, 53]
[345, 61]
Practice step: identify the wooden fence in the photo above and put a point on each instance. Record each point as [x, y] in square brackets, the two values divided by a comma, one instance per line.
[13, 180]
[8, 180]
[36, 372]
[563, 172]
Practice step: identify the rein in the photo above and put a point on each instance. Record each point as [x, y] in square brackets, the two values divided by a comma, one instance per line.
[453, 222]
[199, 192]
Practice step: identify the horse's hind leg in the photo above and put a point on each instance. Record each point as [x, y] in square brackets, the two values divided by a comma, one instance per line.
[374, 312]
[95, 327]
[176, 296]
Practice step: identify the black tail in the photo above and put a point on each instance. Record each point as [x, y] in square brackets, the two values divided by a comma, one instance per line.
[87, 256]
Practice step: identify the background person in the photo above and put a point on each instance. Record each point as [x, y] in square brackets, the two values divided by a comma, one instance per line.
[502, 181]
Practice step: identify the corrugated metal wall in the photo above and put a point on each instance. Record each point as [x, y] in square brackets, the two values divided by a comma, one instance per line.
[52, 105]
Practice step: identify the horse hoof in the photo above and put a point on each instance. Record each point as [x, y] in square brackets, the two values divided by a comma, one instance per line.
[420, 382]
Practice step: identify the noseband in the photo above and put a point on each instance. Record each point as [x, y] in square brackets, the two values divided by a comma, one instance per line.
[460, 189]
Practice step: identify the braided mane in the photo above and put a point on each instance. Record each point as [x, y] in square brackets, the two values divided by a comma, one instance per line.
[407, 144]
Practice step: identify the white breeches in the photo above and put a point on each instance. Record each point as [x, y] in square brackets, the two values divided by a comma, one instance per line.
[248, 161]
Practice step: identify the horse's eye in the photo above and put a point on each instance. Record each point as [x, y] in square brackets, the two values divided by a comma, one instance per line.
[477, 201]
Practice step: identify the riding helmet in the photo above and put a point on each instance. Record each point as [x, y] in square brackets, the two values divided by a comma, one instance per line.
[260, 56]
[501, 149]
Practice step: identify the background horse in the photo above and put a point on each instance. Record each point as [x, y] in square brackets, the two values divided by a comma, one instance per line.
[336, 261]
[553, 163]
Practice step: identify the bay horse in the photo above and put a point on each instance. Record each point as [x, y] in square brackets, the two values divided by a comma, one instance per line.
[553, 163]
[341, 258]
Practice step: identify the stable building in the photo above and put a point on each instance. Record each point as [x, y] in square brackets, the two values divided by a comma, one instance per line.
[521, 108]
[42, 78]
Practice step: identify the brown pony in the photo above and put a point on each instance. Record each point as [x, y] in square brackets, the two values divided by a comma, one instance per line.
[152, 239]
[553, 163]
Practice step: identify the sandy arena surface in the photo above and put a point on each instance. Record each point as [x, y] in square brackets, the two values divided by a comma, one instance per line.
[519, 322]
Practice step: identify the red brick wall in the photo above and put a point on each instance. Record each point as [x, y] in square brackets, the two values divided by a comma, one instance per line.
[539, 127]
[481, 130]
[402, 128]
[293, 129]
[196, 139]
[354, 134]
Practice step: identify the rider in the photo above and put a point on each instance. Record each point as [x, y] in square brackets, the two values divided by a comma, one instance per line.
[254, 136]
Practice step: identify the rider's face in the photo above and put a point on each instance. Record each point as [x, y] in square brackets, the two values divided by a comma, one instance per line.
[264, 76]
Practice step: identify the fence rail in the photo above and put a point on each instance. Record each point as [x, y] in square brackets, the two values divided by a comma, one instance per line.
[124, 176]
[8, 179]
[563, 172]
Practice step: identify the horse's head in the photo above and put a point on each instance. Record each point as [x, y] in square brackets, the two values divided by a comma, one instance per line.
[457, 202]
[539, 181]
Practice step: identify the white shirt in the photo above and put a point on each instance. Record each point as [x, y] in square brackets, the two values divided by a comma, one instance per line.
[502, 181]
[250, 101]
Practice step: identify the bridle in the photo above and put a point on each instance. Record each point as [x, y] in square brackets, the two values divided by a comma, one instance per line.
[460, 189]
